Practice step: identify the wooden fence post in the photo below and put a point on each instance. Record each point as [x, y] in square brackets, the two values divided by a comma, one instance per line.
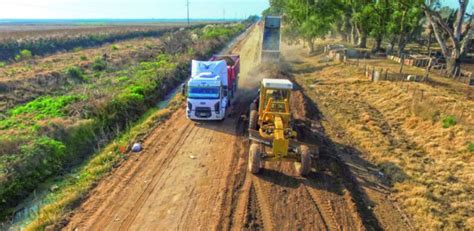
[455, 73]
[427, 74]
[402, 63]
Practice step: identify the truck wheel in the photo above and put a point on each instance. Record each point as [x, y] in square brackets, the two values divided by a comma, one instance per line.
[253, 120]
[305, 167]
[254, 159]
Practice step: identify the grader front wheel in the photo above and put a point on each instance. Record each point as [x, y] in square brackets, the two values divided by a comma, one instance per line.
[253, 119]
[254, 159]
[305, 167]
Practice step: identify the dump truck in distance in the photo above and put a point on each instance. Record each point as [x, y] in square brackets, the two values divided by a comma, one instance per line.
[271, 39]
[211, 87]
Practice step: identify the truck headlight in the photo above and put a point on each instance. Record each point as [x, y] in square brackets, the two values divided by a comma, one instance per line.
[217, 107]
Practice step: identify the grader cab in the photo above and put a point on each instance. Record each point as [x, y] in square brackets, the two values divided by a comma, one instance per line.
[270, 128]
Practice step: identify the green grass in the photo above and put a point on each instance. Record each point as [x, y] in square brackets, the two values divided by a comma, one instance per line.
[3, 64]
[25, 117]
[449, 121]
[470, 147]
[46, 107]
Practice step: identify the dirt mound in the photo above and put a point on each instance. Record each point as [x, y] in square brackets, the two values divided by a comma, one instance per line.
[229, 61]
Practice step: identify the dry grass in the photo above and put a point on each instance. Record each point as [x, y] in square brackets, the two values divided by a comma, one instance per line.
[430, 167]
[59, 62]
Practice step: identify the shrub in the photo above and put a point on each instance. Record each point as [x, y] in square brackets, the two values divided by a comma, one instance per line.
[115, 47]
[38, 159]
[53, 151]
[449, 121]
[2, 64]
[137, 90]
[83, 58]
[24, 55]
[77, 49]
[76, 73]
[99, 64]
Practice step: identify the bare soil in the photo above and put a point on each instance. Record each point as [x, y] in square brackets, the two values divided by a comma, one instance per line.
[193, 176]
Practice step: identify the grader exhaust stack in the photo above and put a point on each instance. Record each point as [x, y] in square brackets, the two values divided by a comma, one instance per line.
[271, 39]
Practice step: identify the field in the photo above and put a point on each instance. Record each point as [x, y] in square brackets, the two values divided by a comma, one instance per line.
[418, 135]
[59, 109]
[23, 44]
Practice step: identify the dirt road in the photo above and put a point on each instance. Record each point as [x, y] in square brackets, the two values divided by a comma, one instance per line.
[179, 181]
[193, 176]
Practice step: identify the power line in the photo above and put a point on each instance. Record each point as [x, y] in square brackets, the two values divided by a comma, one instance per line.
[187, 6]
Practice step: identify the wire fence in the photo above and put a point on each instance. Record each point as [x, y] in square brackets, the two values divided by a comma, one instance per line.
[423, 103]
[423, 61]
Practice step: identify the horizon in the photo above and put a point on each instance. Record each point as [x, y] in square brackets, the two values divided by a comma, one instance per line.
[128, 9]
[140, 9]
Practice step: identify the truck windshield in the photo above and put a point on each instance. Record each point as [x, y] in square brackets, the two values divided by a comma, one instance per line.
[204, 92]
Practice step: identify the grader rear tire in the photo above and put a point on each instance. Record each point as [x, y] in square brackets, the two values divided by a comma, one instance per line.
[254, 159]
[253, 120]
[305, 167]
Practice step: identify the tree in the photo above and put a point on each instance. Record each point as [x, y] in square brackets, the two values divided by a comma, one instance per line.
[380, 18]
[405, 22]
[308, 19]
[277, 7]
[445, 32]
[361, 16]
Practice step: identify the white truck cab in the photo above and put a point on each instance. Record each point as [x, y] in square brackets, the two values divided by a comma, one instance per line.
[206, 91]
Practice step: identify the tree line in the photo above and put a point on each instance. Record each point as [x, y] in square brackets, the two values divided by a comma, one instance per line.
[395, 22]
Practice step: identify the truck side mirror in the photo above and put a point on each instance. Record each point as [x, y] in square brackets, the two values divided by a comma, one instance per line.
[224, 93]
[183, 89]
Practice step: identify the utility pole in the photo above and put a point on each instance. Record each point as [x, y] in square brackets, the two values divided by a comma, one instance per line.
[187, 5]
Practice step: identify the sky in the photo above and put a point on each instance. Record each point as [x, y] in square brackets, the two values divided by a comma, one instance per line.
[136, 9]
[453, 4]
[139, 9]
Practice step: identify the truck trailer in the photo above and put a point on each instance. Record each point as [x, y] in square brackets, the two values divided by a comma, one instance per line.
[233, 70]
[271, 39]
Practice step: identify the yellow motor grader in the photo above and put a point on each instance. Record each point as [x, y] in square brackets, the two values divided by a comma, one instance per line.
[270, 129]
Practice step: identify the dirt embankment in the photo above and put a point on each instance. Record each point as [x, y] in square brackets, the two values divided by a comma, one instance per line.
[194, 176]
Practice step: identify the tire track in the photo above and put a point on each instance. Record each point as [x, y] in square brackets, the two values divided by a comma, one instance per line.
[329, 222]
[263, 204]
[127, 174]
[125, 225]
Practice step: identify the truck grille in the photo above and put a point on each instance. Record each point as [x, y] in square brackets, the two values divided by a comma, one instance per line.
[203, 112]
